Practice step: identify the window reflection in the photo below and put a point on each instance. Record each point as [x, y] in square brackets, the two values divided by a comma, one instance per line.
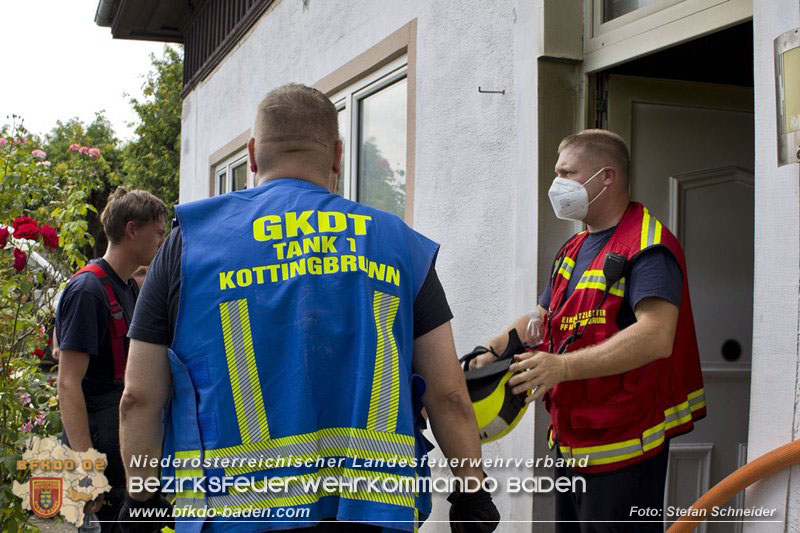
[382, 149]
[616, 8]
[240, 177]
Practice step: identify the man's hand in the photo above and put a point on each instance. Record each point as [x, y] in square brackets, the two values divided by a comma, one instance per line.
[537, 371]
[472, 512]
[128, 522]
[482, 360]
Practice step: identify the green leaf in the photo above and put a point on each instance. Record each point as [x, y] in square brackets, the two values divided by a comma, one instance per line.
[10, 462]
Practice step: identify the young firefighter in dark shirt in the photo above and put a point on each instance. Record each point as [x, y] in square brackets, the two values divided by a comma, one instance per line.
[90, 372]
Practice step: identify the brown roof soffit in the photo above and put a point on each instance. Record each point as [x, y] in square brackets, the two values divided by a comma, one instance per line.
[258, 9]
[146, 20]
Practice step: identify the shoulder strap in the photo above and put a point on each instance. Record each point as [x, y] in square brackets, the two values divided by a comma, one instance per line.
[119, 328]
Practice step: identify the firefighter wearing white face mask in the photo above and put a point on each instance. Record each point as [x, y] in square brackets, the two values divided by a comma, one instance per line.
[570, 199]
[618, 367]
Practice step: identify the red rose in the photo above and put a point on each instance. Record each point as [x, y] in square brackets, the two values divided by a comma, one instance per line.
[49, 341]
[22, 220]
[20, 260]
[25, 228]
[49, 236]
[38, 352]
[3, 237]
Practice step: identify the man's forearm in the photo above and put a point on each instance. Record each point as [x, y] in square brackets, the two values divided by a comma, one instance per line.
[74, 417]
[630, 348]
[499, 343]
[456, 430]
[140, 435]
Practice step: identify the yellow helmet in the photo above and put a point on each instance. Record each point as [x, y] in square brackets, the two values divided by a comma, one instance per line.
[497, 409]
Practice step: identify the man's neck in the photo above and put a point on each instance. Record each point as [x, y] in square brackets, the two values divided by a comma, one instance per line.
[610, 217]
[120, 261]
[260, 180]
[291, 171]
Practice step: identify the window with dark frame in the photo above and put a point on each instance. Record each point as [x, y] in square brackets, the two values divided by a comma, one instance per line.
[231, 174]
[373, 126]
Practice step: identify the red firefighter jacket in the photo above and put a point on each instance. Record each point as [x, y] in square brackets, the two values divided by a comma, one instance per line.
[618, 420]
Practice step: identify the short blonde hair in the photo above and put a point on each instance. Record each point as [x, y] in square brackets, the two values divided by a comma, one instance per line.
[602, 145]
[296, 112]
[137, 206]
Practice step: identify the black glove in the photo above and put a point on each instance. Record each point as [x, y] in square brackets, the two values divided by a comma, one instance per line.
[155, 520]
[472, 512]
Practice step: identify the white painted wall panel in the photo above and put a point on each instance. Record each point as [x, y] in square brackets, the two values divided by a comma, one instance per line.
[773, 406]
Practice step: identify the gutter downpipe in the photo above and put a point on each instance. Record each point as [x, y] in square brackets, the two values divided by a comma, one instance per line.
[104, 14]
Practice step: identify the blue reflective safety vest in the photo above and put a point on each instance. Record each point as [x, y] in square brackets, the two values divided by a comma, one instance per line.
[291, 363]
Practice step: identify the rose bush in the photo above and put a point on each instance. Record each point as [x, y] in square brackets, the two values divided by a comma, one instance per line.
[43, 228]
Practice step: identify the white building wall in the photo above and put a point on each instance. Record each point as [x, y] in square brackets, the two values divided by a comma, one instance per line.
[774, 413]
[475, 183]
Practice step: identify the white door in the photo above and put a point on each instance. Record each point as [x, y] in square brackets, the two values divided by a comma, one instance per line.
[691, 161]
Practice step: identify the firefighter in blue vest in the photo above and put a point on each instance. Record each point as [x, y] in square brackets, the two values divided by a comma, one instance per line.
[617, 362]
[292, 336]
[91, 321]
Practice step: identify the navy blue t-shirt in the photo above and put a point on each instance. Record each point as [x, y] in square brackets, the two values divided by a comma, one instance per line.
[82, 324]
[655, 273]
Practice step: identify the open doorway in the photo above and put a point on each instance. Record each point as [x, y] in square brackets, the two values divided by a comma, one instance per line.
[687, 114]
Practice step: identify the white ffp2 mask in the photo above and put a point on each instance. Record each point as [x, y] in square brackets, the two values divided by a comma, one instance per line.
[569, 198]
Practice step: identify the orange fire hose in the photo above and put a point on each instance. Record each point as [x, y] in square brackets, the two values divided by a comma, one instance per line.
[766, 465]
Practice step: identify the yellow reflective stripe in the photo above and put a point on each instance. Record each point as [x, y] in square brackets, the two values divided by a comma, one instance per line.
[190, 495]
[645, 228]
[606, 453]
[252, 370]
[615, 458]
[566, 267]
[323, 453]
[594, 279]
[677, 415]
[188, 473]
[188, 454]
[697, 400]
[367, 435]
[385, 398]
[651, 230]
[330, 442]
[245, 384]
[651, 438]
[605, 447]
[296, 492]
